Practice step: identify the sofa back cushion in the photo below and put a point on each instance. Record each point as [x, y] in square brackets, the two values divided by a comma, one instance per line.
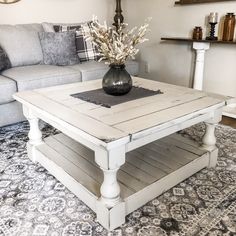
[21, 43]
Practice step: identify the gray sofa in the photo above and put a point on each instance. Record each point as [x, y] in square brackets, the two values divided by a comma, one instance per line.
[22, 46]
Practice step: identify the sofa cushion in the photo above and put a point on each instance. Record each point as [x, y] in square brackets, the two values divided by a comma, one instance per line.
[7, 89]
[96, 70]
[59, 48]
[21, 43]
[40, 76]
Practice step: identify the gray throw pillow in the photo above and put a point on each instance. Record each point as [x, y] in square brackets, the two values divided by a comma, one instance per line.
[59, 48]
[4, 60]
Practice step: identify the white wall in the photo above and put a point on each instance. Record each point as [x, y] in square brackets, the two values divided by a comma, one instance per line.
[173, 62]
[28, 11]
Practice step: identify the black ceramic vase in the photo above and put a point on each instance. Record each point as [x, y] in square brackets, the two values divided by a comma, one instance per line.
[117, 81]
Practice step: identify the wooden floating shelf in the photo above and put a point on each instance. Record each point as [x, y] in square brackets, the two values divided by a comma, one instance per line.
[194, 40]
[148, 172]
[189, 2]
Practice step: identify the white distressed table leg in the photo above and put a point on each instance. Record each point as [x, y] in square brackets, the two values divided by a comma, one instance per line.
[199, 64]
[209, 138]
[110, 206]
[110, 189]
[35, 135]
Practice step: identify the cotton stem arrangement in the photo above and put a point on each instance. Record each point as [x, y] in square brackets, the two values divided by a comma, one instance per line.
[117, 45]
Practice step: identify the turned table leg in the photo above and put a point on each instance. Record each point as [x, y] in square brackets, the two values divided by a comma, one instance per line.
[35, 135]
[209, 138]
[110, 206]
[110, 189]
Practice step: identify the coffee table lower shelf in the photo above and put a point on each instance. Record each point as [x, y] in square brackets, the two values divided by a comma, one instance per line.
[148, 172]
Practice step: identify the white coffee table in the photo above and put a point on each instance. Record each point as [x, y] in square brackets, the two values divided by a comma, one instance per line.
[117, 159]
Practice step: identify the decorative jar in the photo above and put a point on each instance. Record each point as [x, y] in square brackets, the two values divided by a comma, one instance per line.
[197, 33]
[229, 27]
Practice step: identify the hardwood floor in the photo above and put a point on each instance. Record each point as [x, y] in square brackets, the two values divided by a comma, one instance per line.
[229, 121]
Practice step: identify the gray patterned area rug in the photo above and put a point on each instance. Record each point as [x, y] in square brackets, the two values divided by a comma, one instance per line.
[34, 203]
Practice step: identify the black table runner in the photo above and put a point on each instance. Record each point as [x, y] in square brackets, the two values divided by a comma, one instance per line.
[99, 97]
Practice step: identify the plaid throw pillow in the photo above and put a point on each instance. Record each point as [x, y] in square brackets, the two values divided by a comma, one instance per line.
[86, 50]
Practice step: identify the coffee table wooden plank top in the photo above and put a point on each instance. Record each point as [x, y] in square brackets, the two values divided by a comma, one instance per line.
[123, 120]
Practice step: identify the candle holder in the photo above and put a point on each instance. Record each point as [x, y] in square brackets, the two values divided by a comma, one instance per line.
[213, 20]
[212, 32]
